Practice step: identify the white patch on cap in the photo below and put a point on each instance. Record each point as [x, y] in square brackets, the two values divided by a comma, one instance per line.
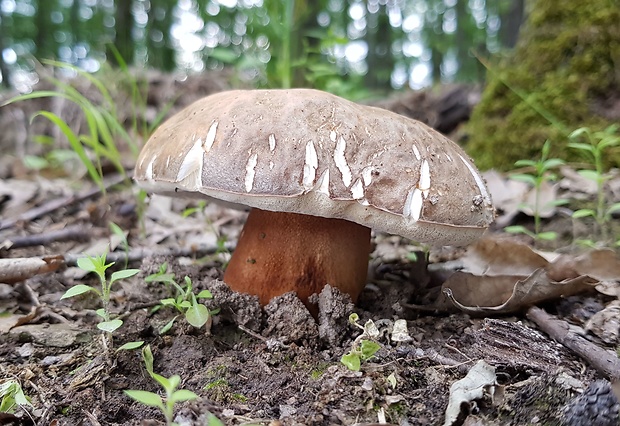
[416, 152]
[322, 185]
[367, 175]
[481, 186]
[413, 204]
[250, 172]
[168, 162]
[357, 190]
[332, 136]
[448, 157]
[425, 178]
[341, 161]
[271, 165]
[190, 171]
[310, 166]
[210, 137]
[272, 142]
[149, 169]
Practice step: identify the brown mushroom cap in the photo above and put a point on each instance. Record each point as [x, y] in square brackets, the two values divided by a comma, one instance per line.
[309, 152]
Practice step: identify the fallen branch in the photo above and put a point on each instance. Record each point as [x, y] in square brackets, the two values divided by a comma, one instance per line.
[70, 233]
[20, 269]
[606, 362]
[59, 202]
[135, 255]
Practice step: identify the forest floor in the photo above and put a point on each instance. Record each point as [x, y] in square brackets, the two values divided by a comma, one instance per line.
[538, 326]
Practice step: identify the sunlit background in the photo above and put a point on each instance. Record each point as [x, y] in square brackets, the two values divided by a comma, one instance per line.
[389, 44]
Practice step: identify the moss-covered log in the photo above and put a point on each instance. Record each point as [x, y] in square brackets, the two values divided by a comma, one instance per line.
[563, 74]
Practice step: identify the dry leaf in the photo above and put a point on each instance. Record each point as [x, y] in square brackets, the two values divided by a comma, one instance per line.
[527, 292]
[480, 380]
[19, 269]
[493, 256]
[606, 323]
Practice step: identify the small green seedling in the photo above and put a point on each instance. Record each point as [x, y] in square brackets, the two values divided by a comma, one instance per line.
[185, 301]
[541, 173]
[12, 396]
[362, 348]
[170, 385]
[594, 150]
[97, 264]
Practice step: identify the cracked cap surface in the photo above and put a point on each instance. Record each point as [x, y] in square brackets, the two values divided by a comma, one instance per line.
[310, 152]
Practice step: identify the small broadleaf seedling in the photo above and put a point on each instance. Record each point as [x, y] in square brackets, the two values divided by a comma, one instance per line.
[97, 264]
[184, 300]
[362, 349]
[594, 150]
[541, 173]
[172, 394]
[12, 396]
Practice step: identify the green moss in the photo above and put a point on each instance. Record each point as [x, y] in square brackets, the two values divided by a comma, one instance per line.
[566, 62]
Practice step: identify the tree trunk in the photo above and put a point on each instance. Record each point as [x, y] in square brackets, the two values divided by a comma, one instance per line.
[44, 39]
[511, 23]
[123, 27]
[159, 45]
[380, 61]
[4, 69]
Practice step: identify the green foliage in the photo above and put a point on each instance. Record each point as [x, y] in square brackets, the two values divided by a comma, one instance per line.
[103, 128]
[565, 64]
[362, 349]
[597, 146]
[541, 172]
[12, 396]
[98, 265]
[184, 300]
[170, 385]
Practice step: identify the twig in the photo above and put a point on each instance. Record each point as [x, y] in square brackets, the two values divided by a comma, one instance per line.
[59, 202]
[141, 253]
[270, 342]
[446, 362]
[70, 233]
[604, 361]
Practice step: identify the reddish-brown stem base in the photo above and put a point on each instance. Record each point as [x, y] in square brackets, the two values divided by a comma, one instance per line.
[282, 252]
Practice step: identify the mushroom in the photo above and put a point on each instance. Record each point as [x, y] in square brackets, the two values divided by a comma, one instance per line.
[318, 172]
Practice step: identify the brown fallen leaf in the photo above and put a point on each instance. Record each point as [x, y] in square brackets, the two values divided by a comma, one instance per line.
[527, 292]
[13, 320]
[602, 264]
[495, 256]
[19, 269]
[501, 275]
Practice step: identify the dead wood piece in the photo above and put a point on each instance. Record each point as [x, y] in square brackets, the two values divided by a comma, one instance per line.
[141, 253]
[59, 202]
[70, 233]
[20, 269]
[602, 360]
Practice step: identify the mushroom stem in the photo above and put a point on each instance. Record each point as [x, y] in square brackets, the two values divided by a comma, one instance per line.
[282, 252]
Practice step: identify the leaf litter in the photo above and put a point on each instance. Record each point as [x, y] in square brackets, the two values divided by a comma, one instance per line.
[276, 364]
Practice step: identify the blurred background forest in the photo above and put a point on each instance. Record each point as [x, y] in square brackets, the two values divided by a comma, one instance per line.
[533, 70]
[323, 43]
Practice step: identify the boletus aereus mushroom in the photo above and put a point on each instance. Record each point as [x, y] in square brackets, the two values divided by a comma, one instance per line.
[318, 172]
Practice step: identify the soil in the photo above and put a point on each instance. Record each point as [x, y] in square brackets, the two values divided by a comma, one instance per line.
[276, 365]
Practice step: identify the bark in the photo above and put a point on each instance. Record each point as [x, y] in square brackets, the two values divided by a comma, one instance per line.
[123, 39]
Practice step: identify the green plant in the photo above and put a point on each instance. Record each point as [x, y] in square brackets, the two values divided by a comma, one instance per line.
[362, 348]
[184, 300]
[97, 264]
[595, 148]
[541, 172]
[170, 385]
[104, 128]
[12, 396]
